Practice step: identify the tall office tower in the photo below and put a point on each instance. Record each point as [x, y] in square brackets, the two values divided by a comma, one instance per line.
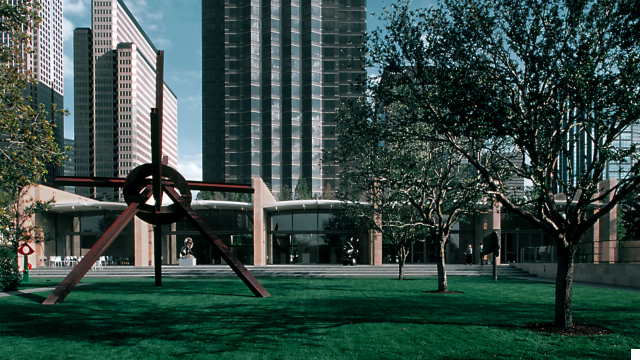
[115, 86]
[272, 75]
[620, 170]
[583, 150]
[47, 65]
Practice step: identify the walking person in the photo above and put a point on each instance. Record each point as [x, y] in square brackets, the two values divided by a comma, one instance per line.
[469, 252]
[481, 255]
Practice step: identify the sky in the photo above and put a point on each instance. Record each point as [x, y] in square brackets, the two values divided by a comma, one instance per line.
[174, 26]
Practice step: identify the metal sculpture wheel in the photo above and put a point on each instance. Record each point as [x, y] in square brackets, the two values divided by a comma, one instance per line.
[350, 253]
[186, 251]
[137, 181]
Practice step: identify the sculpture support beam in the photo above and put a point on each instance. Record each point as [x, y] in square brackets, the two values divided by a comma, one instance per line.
[80, 270]
[240, 270]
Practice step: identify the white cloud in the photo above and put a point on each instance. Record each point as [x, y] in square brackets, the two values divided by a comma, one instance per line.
[186, 77]
[162, 43]
[190, 167]
[137, 7]
[154, 16]
[196, 100]
[76, 7]
[140, 9]
[68, 68]
[67, 30]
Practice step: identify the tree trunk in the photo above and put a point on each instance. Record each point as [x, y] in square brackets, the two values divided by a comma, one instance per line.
[564, 284]
[442, 273]
[401, 261]
[495, 266]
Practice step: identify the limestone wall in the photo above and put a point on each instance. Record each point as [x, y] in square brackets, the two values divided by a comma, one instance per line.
[611, 274]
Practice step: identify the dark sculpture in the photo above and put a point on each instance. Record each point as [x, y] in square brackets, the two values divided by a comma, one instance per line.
[492, 245]
[187, 250]
[350, 252]
[142, 183]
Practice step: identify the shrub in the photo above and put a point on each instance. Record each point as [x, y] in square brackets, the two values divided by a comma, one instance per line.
[9, 273]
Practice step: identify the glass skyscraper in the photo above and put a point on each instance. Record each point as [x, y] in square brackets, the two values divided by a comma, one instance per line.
[272, 75]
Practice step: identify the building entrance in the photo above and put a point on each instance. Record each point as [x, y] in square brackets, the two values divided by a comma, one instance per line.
[522, 246]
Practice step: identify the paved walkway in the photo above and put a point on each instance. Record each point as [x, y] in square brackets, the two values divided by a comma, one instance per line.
[580, 283]
[34, 290]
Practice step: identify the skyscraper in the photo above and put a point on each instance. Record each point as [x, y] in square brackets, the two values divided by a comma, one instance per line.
[272, 75]
[47, 65]
[115, 84]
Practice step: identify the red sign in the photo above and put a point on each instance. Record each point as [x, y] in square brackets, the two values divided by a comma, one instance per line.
[25, 249]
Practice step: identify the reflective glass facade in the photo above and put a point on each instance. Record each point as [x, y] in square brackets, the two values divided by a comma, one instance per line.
[233, 227]
[75, 233]
[273, 72]
[311, 237]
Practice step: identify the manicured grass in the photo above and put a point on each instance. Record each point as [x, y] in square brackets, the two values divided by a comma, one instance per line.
[311, 318]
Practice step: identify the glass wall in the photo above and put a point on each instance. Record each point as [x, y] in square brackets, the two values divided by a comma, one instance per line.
[75, 233]
[425, 251]
[233, 227]
[524, 246]
[311, 237]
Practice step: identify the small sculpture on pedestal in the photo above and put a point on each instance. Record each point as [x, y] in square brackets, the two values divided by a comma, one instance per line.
[186, 254]
[349, 252]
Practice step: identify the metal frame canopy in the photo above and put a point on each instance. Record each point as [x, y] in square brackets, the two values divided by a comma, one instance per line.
[141, 184]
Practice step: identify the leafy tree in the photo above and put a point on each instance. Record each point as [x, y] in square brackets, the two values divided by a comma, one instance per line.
[241, 197]
[302, 191]
[401, 227]
[27, 141]
[209, 195]
[542, 88]
[9, 273]
[204, 195]
[285, 193]
[327, 194]
[392, 169]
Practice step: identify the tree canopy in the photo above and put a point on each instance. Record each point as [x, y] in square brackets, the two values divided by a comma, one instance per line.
[540, 90]
[414, 185]
[27, 142]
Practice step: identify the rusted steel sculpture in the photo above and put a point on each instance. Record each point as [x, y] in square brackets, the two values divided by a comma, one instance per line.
[138, 188]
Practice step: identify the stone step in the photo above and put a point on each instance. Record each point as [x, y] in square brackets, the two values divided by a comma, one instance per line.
[212, 271]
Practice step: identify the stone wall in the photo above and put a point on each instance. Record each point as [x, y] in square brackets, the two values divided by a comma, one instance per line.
[610, 274]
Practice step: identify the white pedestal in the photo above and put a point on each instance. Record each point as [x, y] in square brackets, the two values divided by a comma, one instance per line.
[187, 262]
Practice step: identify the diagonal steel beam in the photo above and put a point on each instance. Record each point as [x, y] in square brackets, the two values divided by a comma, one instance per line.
[79, 271]
[235, 264]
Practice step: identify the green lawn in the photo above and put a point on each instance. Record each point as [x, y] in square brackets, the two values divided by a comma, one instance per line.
[311, 318]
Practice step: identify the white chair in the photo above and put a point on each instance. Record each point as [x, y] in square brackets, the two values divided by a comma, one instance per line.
[96, 265]
[68, 260]
[57, 260]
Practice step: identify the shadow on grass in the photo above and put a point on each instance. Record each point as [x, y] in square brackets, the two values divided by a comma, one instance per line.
[126, 313]
[32, 297]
